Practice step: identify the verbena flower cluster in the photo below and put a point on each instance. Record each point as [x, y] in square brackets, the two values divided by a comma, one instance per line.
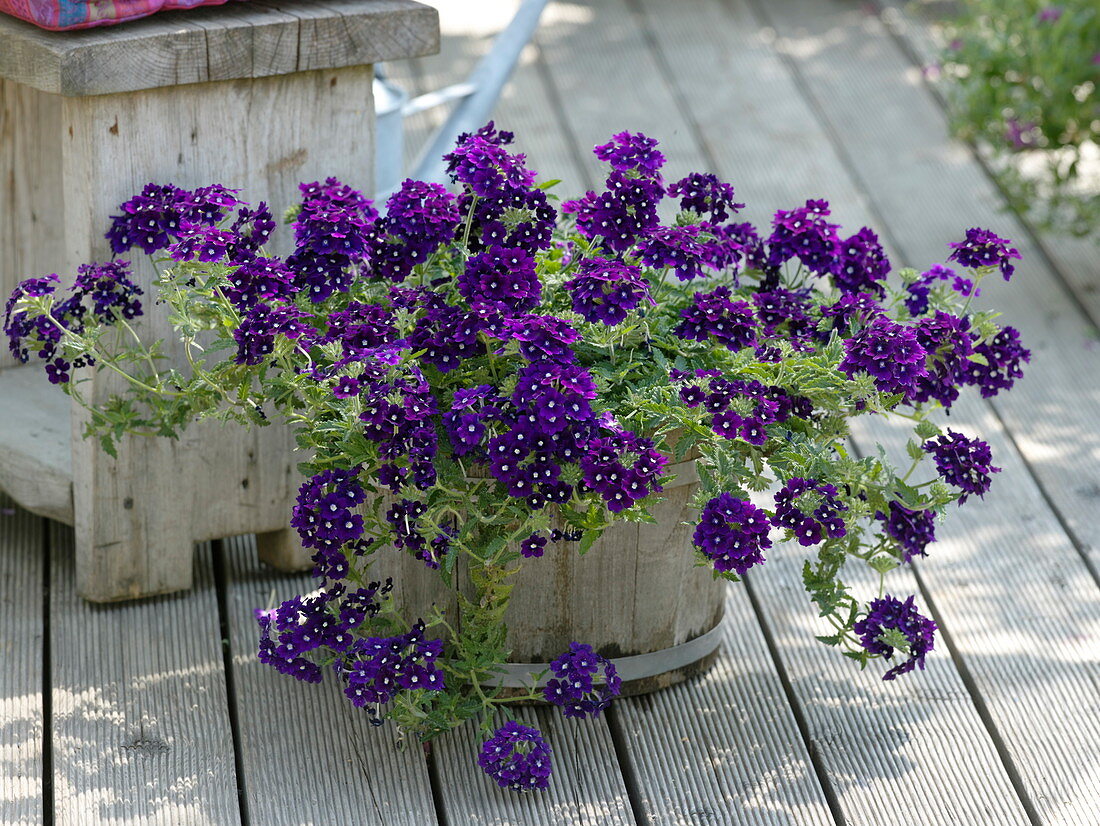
[480, 382]
[1022, 78]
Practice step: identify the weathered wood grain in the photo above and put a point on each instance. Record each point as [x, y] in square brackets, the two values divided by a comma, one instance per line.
[307, 754]
[334, 33]
[215, 43]
[30, 190]
[133, 533]
[141, 728]
[723, 748]
[586, 787]
[36, 462]
[22, 613]
[1031, 648]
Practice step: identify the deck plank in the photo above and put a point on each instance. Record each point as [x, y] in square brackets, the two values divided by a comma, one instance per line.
[586, 787]
[308, 755]
[725, 747]
[1021, 605]
[22, 566]
[141, 727]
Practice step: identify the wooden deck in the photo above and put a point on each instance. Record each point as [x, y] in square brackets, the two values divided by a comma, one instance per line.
[158, 713]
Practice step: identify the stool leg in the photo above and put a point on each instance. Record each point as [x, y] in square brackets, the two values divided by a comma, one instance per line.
[133, 526]
[283, 550]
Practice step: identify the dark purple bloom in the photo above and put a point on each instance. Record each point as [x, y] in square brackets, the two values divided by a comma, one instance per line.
[542, 337]
[112, 292]
[626, 210]
[632, 152]
[889, 352]
[1003, 354]
[962, 462]
[913, 530]
[803, 233]
[605, 291]
[584, 683]
[732, 533]
[678, 248]
[481, 162]
[159, 215]
[705, 195]
[325, 620]
[946, 339]
[714, 315]
[810, 509]
[377, 668]
[983, 248]
[324, 517]
[259, 279]
[260, 326]
[533, 546]
[622, 468]
[861, 265]
[501, 276]
[516, 757]
[891, 614]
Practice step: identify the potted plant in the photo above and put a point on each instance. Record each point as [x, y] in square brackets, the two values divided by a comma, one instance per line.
[485, 387]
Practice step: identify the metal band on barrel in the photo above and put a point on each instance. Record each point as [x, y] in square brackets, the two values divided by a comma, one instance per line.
[635, 667]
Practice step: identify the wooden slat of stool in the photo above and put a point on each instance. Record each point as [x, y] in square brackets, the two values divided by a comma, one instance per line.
[259, 96]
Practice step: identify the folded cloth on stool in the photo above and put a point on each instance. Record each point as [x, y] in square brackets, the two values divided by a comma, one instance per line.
[60, 15]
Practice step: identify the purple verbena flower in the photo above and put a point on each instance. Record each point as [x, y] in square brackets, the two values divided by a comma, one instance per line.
[983, 248]
[678, 248]
[803, 233]
[861, 265]
[705, 195]
[888, 352]
[606, 291]
[632, 152]
[962, 462]
[584, 683]
[811, 509]
[714, 315]
[891, 614]
[516, 757]
[1003, 355]
[912, 530]
[732, 533]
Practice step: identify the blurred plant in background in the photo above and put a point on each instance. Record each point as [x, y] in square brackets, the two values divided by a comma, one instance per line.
[1021, 81]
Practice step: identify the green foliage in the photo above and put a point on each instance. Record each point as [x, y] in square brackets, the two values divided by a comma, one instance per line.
[1022, 82]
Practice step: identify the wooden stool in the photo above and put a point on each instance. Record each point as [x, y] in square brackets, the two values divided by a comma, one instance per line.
[258, 96]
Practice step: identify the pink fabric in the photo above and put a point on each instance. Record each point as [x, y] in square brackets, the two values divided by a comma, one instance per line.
[60, 15]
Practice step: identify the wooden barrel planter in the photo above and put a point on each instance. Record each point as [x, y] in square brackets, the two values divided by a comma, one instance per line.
[637, 597]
